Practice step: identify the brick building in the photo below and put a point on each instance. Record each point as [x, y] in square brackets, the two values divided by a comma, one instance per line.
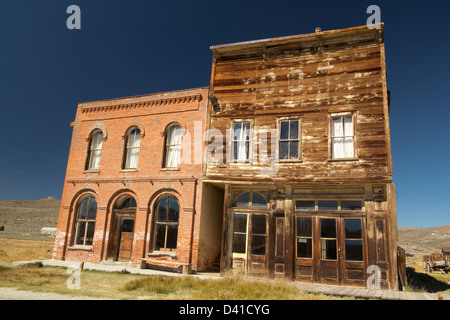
[128, 193]
[281, 168]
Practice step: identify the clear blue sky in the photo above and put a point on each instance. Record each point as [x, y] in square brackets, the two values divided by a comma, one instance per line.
[136, 47]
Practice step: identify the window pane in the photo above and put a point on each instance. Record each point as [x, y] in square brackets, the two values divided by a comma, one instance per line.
[328, 205]
[337, 129]
[92, 209]
[172, 233]
[240, 223]
[258, 245]
[293, 152]
[328, 249]
[258, 200]
[351, 205]
[284, 150]
[353, 229]
[354, 250]
[161, 214]
[293, 130]
[81, 230]
[284, 130]
[258, 224]
[83, 208]
[235, 150]
[237, 131]
[304, 227]
[246, 129]
[305, 205]
[160, 236]
[239, 243]
[90, 233]
[174, 209]
[304, 248]
[243, 200]
[328, 228]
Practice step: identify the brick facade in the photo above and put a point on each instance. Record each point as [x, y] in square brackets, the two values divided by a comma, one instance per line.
[110, 182]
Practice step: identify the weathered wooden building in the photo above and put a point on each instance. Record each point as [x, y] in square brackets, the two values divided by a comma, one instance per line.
[304, 162]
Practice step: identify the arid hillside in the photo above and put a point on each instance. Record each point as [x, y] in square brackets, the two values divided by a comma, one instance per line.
[423, 241]
[25, 219]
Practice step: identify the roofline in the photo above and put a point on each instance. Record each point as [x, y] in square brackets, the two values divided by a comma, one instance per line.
[143, 95]
[295, 37]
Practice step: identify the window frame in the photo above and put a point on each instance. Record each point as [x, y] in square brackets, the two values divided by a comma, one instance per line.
[166, 145]
[127, 148]
[91, 151]
[331, 137]
[279, 140]
[167, 224]
[231, 155]
[78, 221]
[339, 205]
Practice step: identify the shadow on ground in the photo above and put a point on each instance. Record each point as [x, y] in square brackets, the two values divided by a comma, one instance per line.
[426, 282]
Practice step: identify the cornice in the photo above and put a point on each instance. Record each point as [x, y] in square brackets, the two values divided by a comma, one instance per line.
[124, 181]
[141, 104]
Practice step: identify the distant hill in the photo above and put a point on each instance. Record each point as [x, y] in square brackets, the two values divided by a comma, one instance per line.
[423, 241]
[23, 219]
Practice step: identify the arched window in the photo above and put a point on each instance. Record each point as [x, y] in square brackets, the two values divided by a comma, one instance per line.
[166, 224]
[251, 199]
[85, 224]
[95, 150]
[133, 142]
[172, 146]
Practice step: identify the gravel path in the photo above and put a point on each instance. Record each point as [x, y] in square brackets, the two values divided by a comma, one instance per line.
[13, 294]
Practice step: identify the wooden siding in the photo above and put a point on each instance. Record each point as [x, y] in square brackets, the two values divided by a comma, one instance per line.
[310, 81]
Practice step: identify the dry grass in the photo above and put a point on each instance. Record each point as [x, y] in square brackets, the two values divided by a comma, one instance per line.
[23, 250]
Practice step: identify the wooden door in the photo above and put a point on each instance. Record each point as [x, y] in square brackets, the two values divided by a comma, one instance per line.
[330, 250]
[257, 246]
[250, 243]
[126, 240]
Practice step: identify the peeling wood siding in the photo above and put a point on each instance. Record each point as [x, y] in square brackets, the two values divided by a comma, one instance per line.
[300, 82]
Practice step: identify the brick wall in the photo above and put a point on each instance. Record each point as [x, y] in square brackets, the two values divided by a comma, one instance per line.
[152, 114]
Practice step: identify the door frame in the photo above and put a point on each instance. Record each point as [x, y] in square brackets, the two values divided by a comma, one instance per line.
[318, 270]
[250, 264]
[122, 215]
